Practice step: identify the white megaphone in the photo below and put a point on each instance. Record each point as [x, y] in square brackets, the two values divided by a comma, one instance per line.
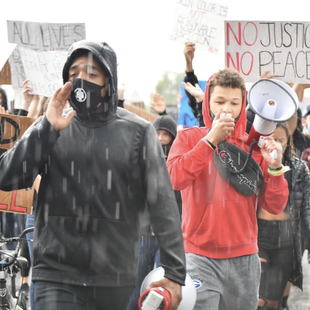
[159, 298]
[273, 102]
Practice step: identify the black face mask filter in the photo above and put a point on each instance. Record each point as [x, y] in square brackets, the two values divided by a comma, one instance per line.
[86, 97]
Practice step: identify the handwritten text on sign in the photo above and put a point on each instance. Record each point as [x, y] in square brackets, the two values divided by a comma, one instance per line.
[283, 48]
[12, 128]
[201, 22]
[39, 37]
[43, 69]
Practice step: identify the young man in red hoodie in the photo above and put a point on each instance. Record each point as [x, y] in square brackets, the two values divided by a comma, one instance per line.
[218, 219]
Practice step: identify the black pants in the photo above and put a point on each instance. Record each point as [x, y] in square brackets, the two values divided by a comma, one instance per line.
[275, 242]
[58, 296]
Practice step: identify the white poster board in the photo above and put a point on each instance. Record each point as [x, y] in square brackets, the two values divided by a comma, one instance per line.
[283, 48]
[39, 37]
[43, 69]
[201, 22]
[6, 50]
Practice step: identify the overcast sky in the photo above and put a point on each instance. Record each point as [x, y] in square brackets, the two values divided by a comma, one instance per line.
[139, 32]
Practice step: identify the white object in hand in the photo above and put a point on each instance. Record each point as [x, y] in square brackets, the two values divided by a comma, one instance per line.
[273, 154]
[225, 115]
[152, 301]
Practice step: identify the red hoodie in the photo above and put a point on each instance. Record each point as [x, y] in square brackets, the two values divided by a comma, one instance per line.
[217, 221]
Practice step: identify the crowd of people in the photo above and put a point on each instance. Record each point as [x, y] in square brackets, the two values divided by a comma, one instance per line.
[117, 196]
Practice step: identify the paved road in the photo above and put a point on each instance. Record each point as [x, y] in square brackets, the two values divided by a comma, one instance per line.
[300, 300]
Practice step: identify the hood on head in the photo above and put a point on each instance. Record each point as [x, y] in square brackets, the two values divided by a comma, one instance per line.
[105, 56]
[166, 122]
[241, 122]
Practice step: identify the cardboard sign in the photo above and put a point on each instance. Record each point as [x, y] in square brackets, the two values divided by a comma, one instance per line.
[283, 48]
[201, 22]
[149, 116]
[39, 37]
[5, 74]
[12, 128]
[5, 52]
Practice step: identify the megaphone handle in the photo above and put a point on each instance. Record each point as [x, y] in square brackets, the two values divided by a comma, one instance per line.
[274, 154]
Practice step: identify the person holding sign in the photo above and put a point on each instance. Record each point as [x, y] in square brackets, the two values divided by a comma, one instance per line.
[221, 179]
[99, 165]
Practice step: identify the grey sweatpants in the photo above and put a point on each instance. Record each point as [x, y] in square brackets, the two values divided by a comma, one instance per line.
[225, 284]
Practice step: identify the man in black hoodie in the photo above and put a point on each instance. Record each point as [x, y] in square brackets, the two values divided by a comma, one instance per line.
[99, 164]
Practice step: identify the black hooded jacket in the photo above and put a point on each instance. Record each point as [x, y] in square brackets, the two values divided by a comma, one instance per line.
[96, 176]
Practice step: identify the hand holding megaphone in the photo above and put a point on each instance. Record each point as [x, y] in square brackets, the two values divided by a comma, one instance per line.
[273, 102]
[166, 292]
[169, 290]
[272, 152]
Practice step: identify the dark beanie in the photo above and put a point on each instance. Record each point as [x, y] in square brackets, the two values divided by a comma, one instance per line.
[166, 122]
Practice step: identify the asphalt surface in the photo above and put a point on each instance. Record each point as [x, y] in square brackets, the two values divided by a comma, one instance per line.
[300, 300]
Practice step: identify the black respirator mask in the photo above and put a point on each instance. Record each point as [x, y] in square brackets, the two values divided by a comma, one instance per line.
[86, 97]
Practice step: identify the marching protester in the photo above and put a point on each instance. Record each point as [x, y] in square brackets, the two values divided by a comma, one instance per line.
[100, 166]
[194, 99]
[218, 211]
[280, 236]
[166, 129]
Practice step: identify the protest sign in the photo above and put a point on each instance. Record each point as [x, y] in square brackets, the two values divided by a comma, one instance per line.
[39, 37]
[150, 117]
[201, 22]
[12, 128]
[283, 48]
[6, 50]
[5, 74]
[43, 69]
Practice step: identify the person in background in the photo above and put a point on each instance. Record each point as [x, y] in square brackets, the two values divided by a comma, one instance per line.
[100, 166]
[149, 257]
[219, 212]
[33, 106]
[280, 236]
[195, 102]
[3, 101]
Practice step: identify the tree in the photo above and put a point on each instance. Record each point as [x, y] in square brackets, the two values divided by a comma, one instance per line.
[169, 87]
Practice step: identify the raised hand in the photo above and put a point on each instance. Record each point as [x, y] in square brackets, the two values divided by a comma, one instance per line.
[56, 106]
[189, 53]
[27, 89]
[267, 75]
[267, 148]
[195, 91]
[159, 105]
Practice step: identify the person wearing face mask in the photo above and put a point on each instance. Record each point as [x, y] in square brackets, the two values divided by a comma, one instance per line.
[100, 166]
[280, 236]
